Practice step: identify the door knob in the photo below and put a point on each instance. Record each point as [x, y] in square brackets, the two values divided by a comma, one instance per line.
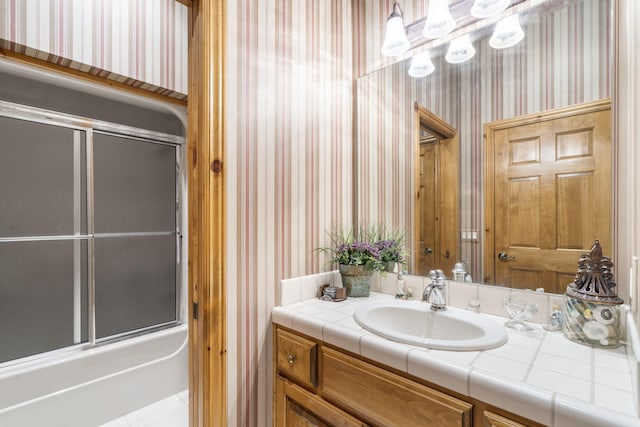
[504, 257]
[428, 250]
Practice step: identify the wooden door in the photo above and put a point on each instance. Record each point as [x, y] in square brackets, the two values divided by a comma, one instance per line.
[427, 258]
[437, 194]
[552, 192]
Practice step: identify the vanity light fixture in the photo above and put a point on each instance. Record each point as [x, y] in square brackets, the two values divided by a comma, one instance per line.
[507, 33]
[460, 50]
[395, 41]
[421, 65]
[439, 20]
[487, 8]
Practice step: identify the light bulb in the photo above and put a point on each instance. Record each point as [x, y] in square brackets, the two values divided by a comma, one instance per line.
[439, 20]
[487, 8]
[460, 50]
[395, 41]
[421, 65]
[507, 33]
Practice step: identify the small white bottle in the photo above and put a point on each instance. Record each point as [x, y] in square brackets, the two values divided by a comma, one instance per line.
[400, 293]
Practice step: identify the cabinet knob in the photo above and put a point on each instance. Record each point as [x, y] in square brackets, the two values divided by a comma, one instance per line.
[291, 358]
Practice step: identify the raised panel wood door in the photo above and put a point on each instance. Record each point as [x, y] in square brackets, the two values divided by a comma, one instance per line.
[553, 197]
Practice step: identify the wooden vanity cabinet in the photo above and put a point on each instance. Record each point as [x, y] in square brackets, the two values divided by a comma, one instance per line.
[319, 385]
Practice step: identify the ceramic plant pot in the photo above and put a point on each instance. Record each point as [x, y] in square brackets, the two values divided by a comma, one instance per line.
[356, 279]
[389, 266]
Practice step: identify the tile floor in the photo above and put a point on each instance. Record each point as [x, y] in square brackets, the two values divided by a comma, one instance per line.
[170, 412]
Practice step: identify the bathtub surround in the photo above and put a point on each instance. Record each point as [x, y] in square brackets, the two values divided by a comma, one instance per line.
[93, 387]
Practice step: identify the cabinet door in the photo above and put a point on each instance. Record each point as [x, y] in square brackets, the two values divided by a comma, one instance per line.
[490, 419]
[296, 407]
[384, 398]
[297, 416]
[296, 358]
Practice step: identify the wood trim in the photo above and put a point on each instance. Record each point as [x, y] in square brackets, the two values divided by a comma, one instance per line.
[207, 288]
[416, 187]
[81, 75]
[559, 113]
[489, 202]
[489, 166]
[434, 123]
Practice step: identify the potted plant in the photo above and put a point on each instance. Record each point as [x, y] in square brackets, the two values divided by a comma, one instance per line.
[357, 259]
[391, 248]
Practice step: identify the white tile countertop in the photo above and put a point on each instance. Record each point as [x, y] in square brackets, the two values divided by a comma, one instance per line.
[539, 374]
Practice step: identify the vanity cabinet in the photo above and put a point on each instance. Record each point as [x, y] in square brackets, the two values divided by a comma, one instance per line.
[297, 407]
[319, 385]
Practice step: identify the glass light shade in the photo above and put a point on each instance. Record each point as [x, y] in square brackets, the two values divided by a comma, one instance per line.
[487, 8]
[395, 41]
[507, 33]
[421, 65]
[439, 20]
[460, 50]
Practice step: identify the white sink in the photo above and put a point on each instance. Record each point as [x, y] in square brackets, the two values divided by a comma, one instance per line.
[413, 322]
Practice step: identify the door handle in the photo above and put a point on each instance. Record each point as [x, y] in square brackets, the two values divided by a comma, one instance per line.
[428, 250]
[504, 257]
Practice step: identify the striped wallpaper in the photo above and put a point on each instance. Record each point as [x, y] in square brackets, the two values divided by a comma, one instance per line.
[563, 60]
[289, 146]
[142, 43]
[289, 156]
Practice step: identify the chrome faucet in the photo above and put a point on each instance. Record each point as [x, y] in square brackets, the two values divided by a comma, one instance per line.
[434, 293]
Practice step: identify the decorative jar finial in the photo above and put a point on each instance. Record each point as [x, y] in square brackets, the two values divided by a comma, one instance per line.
[594, 279]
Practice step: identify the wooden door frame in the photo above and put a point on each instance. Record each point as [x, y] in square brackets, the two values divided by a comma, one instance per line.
[207, 220]
[447, 183]
[490, 130]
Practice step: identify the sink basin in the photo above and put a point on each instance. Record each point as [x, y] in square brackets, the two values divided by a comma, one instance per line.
[413, 322]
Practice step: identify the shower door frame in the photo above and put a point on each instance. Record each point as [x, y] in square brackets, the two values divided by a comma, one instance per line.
[87, 126]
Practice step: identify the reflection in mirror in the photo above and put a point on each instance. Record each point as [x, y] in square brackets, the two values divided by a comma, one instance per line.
[548, 194]
[563, 60]
[436, 200]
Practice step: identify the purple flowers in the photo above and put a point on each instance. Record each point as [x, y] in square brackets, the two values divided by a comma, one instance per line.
[374, 248]
[357, 253]
[391, 250]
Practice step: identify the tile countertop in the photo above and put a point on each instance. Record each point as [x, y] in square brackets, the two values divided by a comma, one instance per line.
[538, 374]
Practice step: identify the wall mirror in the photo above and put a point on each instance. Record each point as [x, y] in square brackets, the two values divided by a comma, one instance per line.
[560, 70]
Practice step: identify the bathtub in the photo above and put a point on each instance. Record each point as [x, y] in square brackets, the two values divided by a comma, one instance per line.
[86, 388]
